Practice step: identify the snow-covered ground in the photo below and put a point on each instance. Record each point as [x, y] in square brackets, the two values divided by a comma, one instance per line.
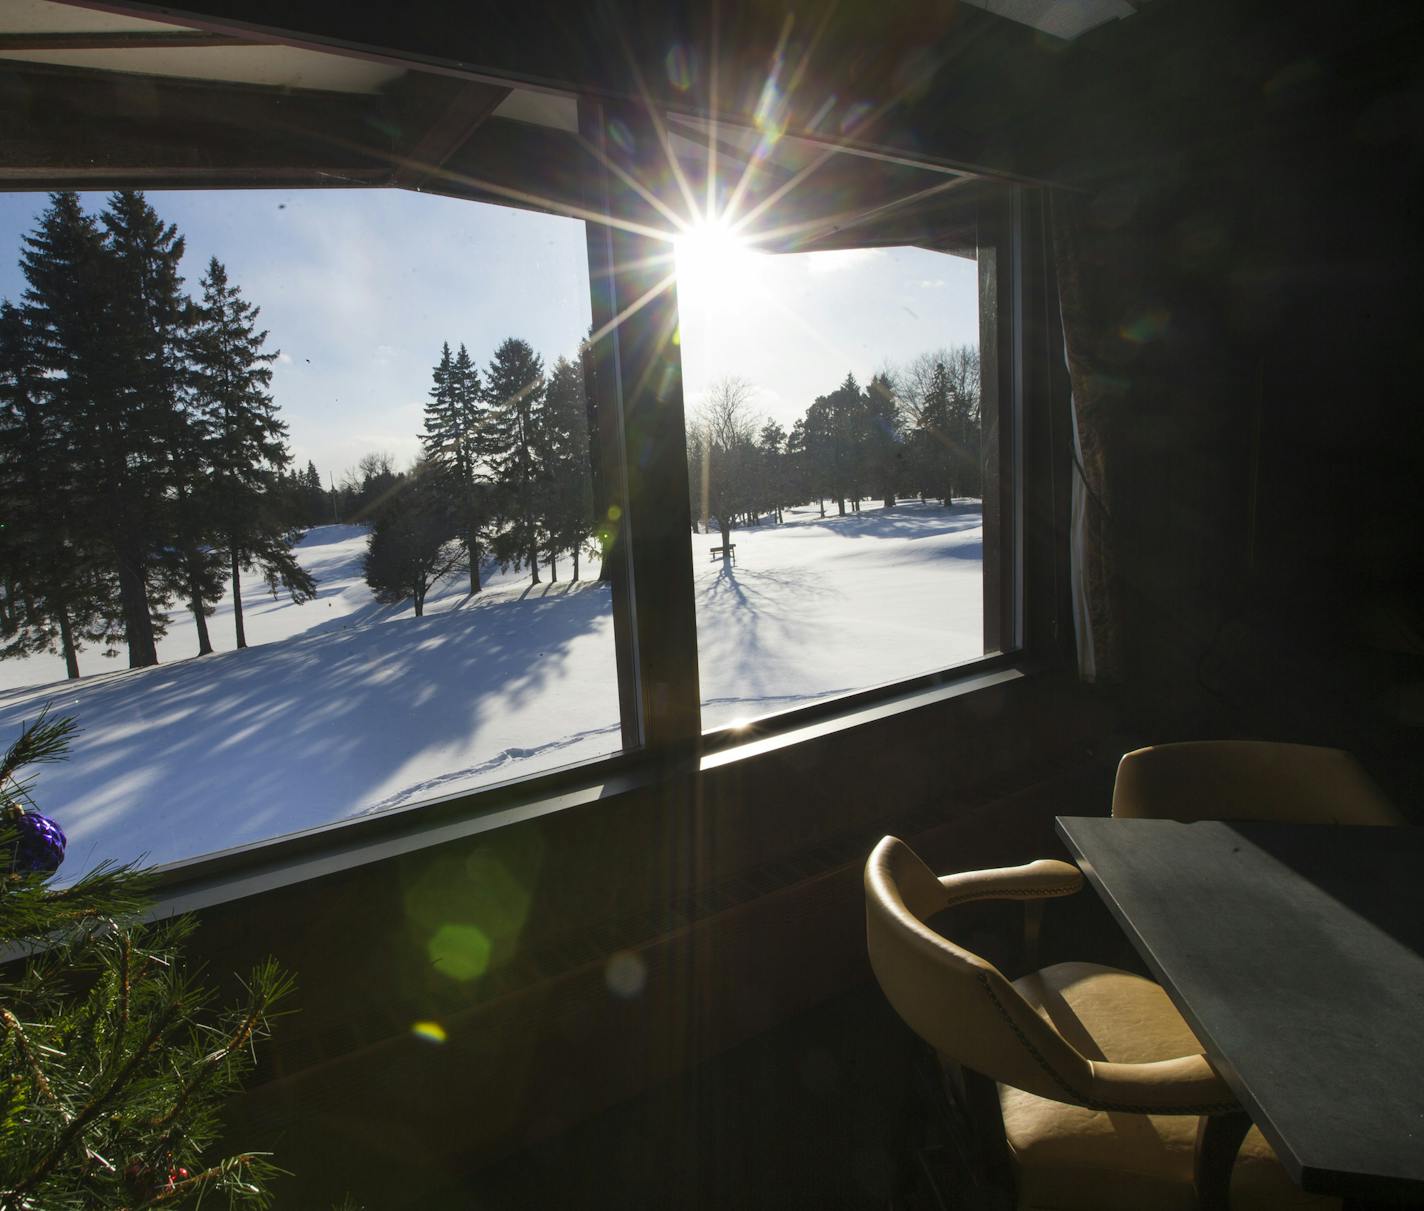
[342, 706]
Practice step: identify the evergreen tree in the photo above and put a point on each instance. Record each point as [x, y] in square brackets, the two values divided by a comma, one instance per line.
[113, 1065]
[848, 445]
[799, 485]
[455, 441]
[771, 472]
[231, 372]
[69, 305]
[55, 593]
[819, 450]
[413, 539]
[937, 425]
[142, 416]
[883, 445]
[515, 389]
[568, 495]
[315, 505]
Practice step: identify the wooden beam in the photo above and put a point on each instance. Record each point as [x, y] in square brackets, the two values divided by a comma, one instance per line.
[183, 39]
[79, 128]
[443, 113]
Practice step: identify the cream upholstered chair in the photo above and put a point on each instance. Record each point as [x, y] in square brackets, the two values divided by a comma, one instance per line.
[1248, 780]
[1100, 1083]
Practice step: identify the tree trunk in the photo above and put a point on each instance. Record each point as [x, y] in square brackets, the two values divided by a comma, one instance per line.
[726, 528]
[205, 645]
[574, 553]
[138, 623]
[472, 548]
[237, 602]
[840, 506]
[553, 567]
[66, 639]
[890, 500]
[823, 506]
[418, 597]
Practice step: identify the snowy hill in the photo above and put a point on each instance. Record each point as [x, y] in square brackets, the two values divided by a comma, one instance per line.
[343, 706]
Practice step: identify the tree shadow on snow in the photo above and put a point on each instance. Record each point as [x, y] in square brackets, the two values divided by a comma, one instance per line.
[203, 754]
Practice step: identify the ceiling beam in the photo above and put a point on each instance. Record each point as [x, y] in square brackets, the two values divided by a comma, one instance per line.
[119, 40]
[448, 111]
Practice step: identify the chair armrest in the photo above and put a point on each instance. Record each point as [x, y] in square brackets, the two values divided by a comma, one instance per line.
[1186, 1085]
[1034, 881]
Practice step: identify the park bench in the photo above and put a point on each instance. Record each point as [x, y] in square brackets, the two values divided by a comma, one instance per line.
[730, 550]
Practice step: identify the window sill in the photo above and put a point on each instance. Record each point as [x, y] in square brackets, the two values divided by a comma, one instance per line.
[253, 870]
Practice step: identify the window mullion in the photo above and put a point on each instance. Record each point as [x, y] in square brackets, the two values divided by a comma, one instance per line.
[638, 372]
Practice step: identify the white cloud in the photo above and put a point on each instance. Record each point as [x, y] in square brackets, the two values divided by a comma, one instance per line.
[931, 283]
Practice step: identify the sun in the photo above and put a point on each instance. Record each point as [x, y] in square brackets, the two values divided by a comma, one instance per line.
[716, 267]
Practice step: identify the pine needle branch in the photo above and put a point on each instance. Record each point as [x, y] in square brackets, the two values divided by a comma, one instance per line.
[43, 740]
[22, 1045]
[166, 1021]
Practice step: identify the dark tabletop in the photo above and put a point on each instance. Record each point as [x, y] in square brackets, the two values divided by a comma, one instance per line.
[1296, 953]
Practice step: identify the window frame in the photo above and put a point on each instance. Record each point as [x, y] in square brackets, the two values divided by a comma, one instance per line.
[641, 446]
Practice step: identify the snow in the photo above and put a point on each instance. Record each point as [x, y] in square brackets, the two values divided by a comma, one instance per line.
[342, 706]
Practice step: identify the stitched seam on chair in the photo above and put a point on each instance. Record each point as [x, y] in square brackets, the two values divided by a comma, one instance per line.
[1089, 1102]
[1060, 890]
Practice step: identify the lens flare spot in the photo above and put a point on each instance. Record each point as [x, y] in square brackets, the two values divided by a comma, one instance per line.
[614, 512]
[1149, 326]
[625, 974]
[770, 115]
[679, 68]
[620, 134]
[461, 952]
[430, 1032]
[854, 116]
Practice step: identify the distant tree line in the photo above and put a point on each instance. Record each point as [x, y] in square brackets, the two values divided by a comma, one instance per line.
[504, 473]
[140, 448]
[912, 431]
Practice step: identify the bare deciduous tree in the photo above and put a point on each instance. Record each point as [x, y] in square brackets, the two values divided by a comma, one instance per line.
[722, 455]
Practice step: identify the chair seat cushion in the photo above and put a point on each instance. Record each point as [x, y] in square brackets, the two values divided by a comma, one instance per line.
[1073, 1159]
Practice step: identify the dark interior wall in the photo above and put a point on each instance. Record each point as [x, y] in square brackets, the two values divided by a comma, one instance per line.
[1253, 178]
[732, 896]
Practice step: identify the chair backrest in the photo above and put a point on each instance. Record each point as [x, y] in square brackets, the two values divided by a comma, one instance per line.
[956, 1001]
[1249, 780]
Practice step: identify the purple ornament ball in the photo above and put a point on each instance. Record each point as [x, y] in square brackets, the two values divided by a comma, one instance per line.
[40, 845]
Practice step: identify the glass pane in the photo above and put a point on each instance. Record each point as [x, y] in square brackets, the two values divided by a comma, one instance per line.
[345, 393]
[830, 338]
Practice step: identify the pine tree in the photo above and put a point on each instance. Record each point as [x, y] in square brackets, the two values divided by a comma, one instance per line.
[883, 446]
[113, 1064]
[568, 494]
[232, 372]
[69, 304]
[455, 440]
[148, 317]
[515, 389]
[820, 453]
[771, 473]
[848, 453]
[936, 421]
[316, 508]
[413, 539]
[56, 596]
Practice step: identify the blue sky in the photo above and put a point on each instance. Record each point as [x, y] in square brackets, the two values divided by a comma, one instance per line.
[358, 288]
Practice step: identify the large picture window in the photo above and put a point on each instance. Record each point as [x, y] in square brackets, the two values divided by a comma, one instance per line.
[837, 400]
[371, 435]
